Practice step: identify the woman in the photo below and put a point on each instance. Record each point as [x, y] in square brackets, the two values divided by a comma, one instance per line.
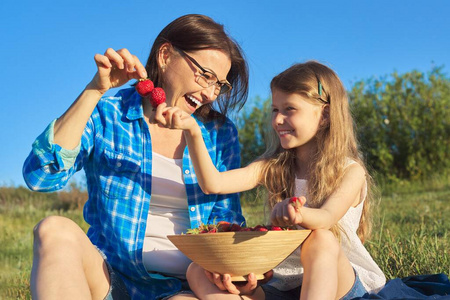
[140, 178]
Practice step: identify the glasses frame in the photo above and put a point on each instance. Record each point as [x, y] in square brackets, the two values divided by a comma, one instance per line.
[219, 83]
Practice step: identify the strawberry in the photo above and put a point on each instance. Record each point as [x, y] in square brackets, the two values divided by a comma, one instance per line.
[223, 226]
[157, 96]
[276, 228]
[245, 229]
[144, 87]
[235, 227]
[260, 228]
[297, 202]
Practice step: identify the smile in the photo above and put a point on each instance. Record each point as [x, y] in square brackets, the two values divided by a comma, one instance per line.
[284, 132]
[193, 102]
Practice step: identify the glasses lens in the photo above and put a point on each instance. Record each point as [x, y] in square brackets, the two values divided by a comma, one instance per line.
[224, 88]
[208, 79]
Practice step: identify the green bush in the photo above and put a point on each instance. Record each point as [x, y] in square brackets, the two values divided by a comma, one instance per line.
[403, 123]
[253, 125]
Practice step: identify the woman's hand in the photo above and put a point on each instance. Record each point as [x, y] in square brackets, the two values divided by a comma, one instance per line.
[115, 68]
[224, 283]
[174, 118]
[286, 213]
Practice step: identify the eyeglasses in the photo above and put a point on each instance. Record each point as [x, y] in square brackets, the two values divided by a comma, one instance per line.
[208, 78]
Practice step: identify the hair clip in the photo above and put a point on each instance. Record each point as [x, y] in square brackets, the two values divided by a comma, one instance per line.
[320, 88]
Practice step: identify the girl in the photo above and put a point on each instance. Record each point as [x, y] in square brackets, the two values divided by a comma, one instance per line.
[315, 155]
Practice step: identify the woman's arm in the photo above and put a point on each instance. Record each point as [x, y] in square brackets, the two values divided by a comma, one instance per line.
[338, 203]
[113, 69]
[209, 178]
[50, 164]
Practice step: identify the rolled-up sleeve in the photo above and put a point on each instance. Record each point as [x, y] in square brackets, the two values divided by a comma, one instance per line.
[48, 167]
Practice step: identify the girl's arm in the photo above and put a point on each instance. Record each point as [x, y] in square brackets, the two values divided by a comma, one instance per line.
[346, 195]
[209, 178]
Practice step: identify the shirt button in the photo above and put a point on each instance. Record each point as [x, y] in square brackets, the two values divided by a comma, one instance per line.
[192, 209]
[119, 164]
[186, 171]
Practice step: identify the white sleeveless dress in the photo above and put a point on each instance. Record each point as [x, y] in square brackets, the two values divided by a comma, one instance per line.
[289, 273]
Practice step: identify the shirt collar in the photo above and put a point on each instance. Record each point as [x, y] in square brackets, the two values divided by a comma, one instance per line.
[132, 103]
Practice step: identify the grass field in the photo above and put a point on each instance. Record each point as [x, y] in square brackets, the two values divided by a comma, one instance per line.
[410, 236]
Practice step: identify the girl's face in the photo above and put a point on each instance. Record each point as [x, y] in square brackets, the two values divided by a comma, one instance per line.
[180, 75]
[295, 119]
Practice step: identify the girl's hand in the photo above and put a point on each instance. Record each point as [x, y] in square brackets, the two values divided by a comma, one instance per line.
[174, 118]
[224, 283]
[115, 68]
[288, 212]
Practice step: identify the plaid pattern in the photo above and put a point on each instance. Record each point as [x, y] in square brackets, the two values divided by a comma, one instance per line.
[116, 153]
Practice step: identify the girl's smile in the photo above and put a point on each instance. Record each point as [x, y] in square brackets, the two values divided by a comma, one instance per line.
[295, 118]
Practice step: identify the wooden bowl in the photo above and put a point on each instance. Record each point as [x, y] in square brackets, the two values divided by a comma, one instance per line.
[239, 253]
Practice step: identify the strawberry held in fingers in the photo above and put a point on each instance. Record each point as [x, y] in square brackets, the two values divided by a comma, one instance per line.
[144, 87]
[297, 202]
[157, 96]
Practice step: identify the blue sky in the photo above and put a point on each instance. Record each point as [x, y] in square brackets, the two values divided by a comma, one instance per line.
[48, 48]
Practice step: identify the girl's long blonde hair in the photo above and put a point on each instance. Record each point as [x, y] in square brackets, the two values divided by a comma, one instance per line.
[336, 141]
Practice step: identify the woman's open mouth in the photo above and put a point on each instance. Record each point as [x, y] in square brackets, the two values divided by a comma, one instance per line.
[192, 101]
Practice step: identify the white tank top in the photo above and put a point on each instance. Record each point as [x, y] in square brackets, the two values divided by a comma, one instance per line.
[168, 214]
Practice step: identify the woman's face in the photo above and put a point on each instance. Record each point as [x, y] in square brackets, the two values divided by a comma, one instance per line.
[180, 77]
[295, 119]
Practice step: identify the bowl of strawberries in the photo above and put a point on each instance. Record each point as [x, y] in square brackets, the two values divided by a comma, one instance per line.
[228, 248]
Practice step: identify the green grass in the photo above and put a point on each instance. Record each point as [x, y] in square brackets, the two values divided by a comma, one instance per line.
[410, 236]
[20, 211]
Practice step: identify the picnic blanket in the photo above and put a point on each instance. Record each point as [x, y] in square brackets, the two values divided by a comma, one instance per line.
[435, 286]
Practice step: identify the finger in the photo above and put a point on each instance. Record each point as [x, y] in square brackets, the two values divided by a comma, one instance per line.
[128, 58]
[302, 200]
[252, 283]
[217, 279]
[102, 61]
[209, 275]
[169, 115]
[229, 286]
[279, 216]
[178, 119]
[288, 214]
[267, 277]
[292, 213]
[114, 57]
[174, 116]
[160, 114]
[140, 69]
[273, 216]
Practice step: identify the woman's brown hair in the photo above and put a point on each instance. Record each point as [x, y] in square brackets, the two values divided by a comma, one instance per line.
[196, 32]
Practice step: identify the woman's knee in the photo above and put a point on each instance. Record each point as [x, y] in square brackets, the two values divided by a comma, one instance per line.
[54, 228]
[318, 241]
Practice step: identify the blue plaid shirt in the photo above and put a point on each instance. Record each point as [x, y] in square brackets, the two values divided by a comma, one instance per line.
[116, 153]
